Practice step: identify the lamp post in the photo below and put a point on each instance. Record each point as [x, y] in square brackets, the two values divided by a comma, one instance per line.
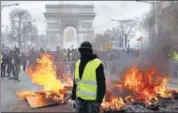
[154, 16]
[122, 22]
[16, 4]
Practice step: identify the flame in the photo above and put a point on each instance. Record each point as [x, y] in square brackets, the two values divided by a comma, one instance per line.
[143, 87]
[44, 75]
[147, 85]
[68, 79]
[114, 104]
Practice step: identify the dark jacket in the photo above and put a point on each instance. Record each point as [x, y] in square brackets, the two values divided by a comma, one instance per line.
[9, 59]
[17, 59]
[100, 78]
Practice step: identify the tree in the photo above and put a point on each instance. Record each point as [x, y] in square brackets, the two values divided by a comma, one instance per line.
[146, 22]
[17, 19]
[110, 36]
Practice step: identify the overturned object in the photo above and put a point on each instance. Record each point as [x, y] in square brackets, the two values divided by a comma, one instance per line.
[38, 100]
[41, 99]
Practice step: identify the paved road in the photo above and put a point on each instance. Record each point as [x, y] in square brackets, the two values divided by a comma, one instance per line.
[11, 103]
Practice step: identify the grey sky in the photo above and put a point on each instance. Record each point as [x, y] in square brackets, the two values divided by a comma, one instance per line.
[105, 11]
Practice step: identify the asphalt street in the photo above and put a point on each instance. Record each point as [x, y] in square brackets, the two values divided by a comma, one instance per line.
[11, 103]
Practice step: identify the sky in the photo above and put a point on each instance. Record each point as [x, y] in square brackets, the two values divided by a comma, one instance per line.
[105, 11]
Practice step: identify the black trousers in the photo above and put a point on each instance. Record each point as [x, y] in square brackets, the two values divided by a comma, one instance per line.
[87, 107]
[16, 72]
[10, 69]
[3, 70]
[24, 67]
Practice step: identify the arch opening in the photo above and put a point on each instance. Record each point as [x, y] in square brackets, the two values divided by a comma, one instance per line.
[70, 37]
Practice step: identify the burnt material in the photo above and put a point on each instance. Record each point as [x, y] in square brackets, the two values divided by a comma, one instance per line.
[115, 111]
[38, 100]
[154, 107]
[139, 103]
[175, 95]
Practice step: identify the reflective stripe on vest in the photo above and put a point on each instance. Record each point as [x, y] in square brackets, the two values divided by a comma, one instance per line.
[85, 82]
[87, 93]
[87, 86]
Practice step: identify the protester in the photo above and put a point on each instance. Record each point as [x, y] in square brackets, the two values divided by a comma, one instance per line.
[3, 67]
[10, 66]
[17, 64]
[88, 70]
[24, 61]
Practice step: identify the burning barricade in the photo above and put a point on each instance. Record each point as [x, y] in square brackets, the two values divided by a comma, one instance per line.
[143, 88]
[136, 87]
[44, 75]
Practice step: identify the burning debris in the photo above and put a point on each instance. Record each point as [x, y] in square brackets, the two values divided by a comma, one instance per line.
[117, 104]
[137, 89]
[143, 89]
[44, 74]
[38, 100]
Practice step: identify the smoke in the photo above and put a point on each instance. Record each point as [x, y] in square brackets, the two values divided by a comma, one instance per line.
[157, 56]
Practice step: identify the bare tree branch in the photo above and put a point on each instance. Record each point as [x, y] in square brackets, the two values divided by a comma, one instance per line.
[17, 18]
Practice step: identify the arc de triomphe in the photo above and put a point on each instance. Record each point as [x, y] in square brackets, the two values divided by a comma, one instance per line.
[81, 17]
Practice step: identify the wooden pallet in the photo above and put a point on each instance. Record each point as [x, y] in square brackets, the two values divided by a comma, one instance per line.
[38, 100]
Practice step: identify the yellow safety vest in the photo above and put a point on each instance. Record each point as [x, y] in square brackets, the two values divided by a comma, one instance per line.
[175, 55]
[87, 85]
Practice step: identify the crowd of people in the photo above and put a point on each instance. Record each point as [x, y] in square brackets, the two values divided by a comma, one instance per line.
[13, 61]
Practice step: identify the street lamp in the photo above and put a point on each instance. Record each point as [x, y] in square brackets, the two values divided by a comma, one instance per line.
[154, 17]
[9, 5]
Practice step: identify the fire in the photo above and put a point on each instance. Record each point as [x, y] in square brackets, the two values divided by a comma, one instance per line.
[143, 87]
[68, 79]
[146, 85]
[44, 74]
[114, 104]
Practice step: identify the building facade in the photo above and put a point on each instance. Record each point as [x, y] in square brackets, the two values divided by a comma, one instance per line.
[166, 22]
